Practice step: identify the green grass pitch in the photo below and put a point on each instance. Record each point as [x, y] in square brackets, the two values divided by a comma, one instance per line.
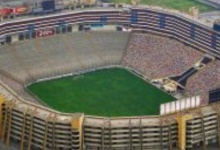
[182, 5]
[107, 92]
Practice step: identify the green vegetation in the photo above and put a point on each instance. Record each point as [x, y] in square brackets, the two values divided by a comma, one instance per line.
[182, 5]
[108, 92]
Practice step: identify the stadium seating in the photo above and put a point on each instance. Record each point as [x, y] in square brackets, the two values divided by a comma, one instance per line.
[62, 54]
[159, 57]
[204, 81]
[153, 56]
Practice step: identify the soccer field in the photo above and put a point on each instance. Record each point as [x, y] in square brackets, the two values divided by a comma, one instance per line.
[107, 92]
[182, 5]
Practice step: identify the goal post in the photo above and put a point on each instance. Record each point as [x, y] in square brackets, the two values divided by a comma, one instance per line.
[78, 77]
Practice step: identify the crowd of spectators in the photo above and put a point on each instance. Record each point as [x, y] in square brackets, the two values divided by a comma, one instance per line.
[205, 80]
[159, 57]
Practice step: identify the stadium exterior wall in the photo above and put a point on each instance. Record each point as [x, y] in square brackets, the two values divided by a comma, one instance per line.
[37, 127]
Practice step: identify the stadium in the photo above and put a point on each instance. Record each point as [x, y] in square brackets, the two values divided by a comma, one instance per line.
[110, 78]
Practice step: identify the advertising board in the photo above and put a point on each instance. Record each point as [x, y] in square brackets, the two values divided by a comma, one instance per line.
[43, 33]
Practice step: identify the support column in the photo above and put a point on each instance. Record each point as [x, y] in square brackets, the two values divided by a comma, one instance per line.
[23, 130]
[170, 135]
[103, 134]
[9, 110]
[31, 129]
[161, 134]
[110, 134]
[141, 134]
[46, 131]
[76, 125]
[4, 126]
[216, 108]
[130, 134]
[181, 120]
[107, 142]
[2, 122]
[54, 132]
[203, 131]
